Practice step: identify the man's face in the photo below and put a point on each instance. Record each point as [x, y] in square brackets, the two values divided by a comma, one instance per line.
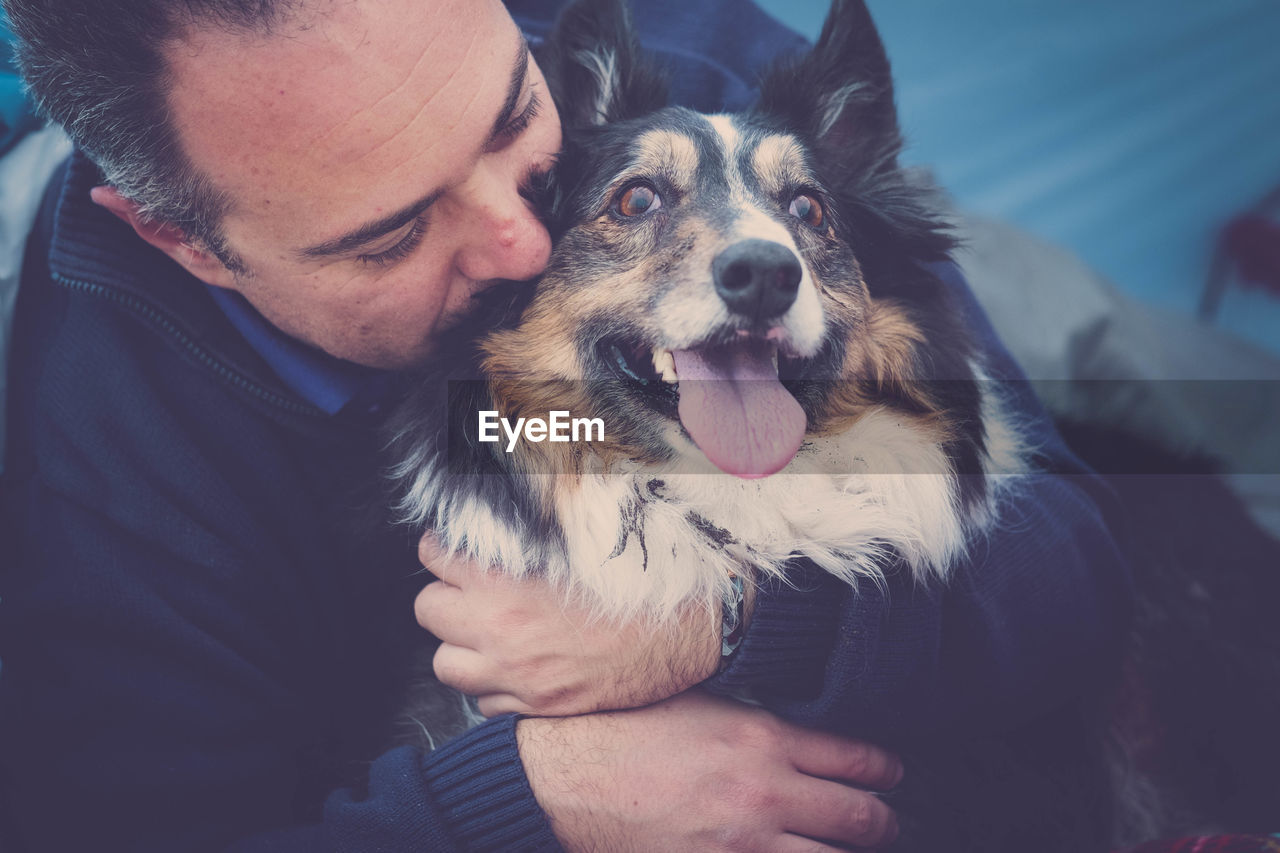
[373, 152]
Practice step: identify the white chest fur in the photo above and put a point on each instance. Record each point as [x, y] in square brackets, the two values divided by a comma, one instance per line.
[646, 539]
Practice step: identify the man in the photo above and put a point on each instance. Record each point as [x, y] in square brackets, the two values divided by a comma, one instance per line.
[278, 206]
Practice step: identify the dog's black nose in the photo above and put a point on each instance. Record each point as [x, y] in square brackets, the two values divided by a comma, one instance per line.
[757, 279]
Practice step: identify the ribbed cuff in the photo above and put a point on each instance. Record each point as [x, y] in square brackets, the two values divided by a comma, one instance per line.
[479, 788]
[791, 634]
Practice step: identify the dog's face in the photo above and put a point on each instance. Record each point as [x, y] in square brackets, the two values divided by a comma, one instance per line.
[710, 293]
[702, 270]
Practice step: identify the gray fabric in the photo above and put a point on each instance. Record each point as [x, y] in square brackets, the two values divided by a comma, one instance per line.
[1063, 321]
[24, 171]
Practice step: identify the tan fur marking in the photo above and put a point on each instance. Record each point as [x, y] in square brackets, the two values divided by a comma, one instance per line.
[671, 154]
[541, 347]
[881, 356]
[890, 344]
[779, 162]
[534, 369]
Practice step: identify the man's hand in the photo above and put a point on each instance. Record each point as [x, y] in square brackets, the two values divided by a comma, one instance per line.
[702, 773]
[518, 645]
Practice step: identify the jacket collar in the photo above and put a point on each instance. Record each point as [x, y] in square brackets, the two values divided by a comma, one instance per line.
[93, 249]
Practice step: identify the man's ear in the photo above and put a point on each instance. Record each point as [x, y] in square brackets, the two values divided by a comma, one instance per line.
[167, 238]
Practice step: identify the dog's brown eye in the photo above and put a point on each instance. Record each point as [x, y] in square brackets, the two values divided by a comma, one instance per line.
[807, 209]
[638, 199]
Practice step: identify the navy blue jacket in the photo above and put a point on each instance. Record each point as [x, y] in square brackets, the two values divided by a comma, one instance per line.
[202, 615]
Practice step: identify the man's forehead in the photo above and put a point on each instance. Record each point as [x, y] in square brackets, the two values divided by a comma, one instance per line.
[365, 96]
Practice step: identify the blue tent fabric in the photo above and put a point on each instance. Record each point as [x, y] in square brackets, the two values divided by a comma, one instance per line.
[1128, 131]
[16, 116]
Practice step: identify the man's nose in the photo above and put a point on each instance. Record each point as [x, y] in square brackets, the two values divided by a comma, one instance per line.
[506, 239]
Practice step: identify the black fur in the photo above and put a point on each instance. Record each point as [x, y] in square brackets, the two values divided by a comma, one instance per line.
[581, 32]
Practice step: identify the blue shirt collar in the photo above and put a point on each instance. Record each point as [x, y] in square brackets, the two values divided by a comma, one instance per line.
[327, 382]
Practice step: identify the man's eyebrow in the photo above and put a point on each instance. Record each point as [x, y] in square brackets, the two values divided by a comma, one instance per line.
[518, 73]
[372, 230]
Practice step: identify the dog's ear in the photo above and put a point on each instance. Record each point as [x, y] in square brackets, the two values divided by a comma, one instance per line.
[595, 69]
[841, 93]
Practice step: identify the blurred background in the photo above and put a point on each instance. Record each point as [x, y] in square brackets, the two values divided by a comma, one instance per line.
[1135, 133]
[1141, 135]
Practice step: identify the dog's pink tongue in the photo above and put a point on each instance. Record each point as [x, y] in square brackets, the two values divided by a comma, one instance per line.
[736, 410]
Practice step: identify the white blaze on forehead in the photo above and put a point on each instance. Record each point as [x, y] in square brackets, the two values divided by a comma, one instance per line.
[669, 153]
[723, 125]
[750, 221]
[730, 138]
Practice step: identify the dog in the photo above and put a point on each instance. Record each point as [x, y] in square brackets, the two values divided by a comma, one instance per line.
[744, 302]
[748, 306]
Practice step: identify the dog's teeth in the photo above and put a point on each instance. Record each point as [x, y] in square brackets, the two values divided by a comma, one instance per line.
[775, 359]
[664, 364]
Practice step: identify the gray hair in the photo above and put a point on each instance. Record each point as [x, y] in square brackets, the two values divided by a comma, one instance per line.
[97, 68]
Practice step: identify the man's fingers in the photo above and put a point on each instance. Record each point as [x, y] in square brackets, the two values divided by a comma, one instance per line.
[429, 550]
[465, 670]
[832, 757]
[460, 570]
[823, 809]
[439, 562]
[440, 609]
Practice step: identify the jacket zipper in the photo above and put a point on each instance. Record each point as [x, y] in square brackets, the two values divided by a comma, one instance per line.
[200, 353]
